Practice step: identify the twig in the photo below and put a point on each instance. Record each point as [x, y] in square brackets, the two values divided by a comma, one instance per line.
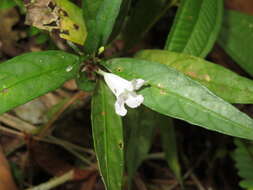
[64, 143]
[17, 123]
[11, 131]
[52, 141]
[197, 182]
[55, 181]
[47, 128]
[79, 156]
[190, 171]
[156, 156]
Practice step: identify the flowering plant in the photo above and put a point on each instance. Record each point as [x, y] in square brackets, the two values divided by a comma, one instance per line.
[150, 88]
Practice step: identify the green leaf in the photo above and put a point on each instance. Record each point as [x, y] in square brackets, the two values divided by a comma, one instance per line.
[107, 137]
[236, 38]
[221, 81]
[100, 17]
[30, 75]
[20, 4]
[144, 15]
[140, 124]
[174, 94]
[169, 144]
[120, 21]
[244, 163]
[7, 4]
[196, 27]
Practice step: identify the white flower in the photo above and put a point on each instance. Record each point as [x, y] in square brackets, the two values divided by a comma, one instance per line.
[124, 91]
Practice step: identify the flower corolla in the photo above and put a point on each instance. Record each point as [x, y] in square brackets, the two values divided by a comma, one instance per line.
[125, 92]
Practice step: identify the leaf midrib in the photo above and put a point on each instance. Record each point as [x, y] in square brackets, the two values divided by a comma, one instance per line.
[193, 102]
[35, 76]
[201, 106]
[106, 137]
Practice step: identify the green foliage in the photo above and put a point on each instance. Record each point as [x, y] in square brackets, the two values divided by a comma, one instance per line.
[142, 19]
[100, 17]
[243, 156]
[201, 98]
[195, 27]
[108, 137]
[121, 18]
[6, 4]
[40, 36]
[221, 81]
[28, 76]
[236, 38]
[172, 93]
[169, 144]
[139, 132]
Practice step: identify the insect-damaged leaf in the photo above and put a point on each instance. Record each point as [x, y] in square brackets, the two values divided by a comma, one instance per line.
[60, 15]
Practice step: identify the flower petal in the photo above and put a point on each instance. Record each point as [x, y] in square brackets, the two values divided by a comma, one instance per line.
[117, 84]
[120, 107]
[137, 83]
[134, 100]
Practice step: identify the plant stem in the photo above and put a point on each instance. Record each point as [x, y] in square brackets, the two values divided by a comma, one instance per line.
[156, 156]
[55, 181]
[17, 123]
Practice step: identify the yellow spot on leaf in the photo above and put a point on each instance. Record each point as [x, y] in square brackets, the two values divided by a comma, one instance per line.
[4, 91]
[207, 77]
[160, 85]
[162, 92]
[119, 69]
[72, 24]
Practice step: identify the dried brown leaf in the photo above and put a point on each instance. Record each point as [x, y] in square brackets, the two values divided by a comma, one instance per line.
[6, 182]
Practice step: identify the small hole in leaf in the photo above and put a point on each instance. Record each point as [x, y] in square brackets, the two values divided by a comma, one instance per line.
[120, 145]
[119, 69]
[4, 91]
[51, 5]
[64, 13]
[162, 92]
[54, 23]
[76, 26]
